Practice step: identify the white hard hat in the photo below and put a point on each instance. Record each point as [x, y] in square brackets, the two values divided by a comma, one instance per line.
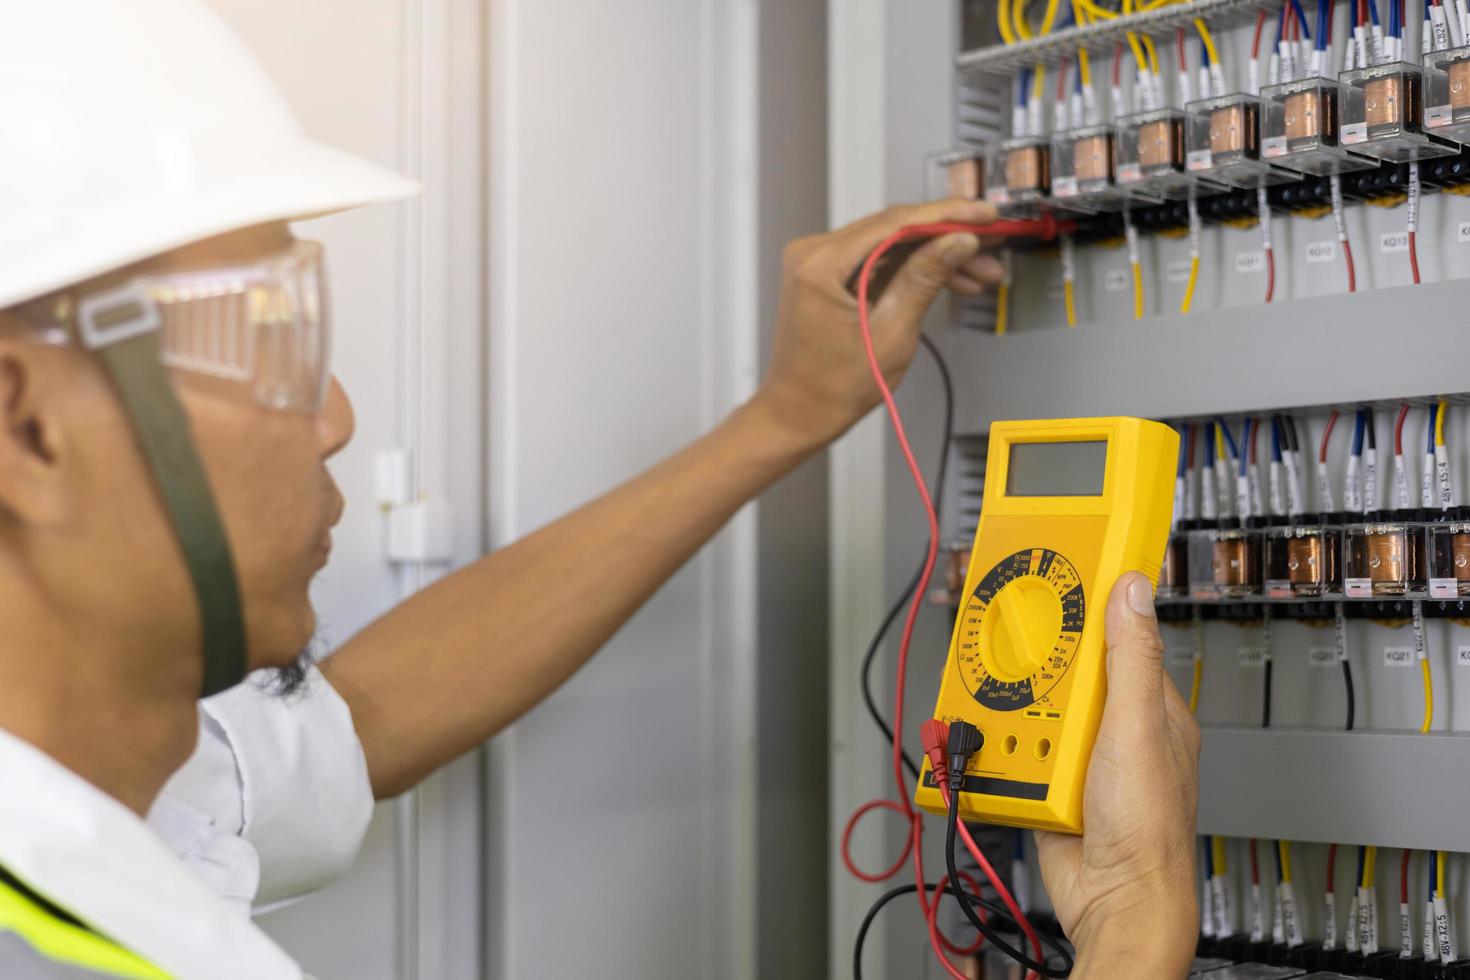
[132, 127]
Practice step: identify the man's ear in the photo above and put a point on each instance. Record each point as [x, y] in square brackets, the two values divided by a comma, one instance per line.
[33, 446]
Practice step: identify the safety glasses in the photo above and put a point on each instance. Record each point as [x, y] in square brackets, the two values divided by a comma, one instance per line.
[260, 328]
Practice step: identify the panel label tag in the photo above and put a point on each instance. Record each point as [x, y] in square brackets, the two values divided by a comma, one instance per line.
[1462, 233]
[1393, 241]
[1250, 262]
[1116, 280]
[1322, 657]
[1178, 271]
[1398, 656]
[1321, 251]
[1462, 656]
[1251, 657]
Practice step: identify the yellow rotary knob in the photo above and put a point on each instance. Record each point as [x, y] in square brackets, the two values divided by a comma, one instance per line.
[1020, 628]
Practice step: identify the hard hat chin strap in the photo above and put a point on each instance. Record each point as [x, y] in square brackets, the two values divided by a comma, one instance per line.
[121, 327]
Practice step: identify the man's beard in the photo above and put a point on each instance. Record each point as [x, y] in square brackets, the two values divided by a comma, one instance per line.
[286, 682]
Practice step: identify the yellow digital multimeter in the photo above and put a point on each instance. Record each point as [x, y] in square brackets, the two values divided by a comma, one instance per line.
[1069, 506]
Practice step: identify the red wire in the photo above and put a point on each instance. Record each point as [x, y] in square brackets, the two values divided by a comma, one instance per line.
[1398, 430]
[1362, 20]
[1331, 9]
[1270, 274]
[1414, 257]
[1179, 43]
[1255, 431]
[1327, 434]
[1062, 80]
[1331, 866]
[1347, 255]
[1256, 40]
[1404, 877]
[1118, 65]
[1288, 17]
[912, 845]
[1255, 865]
[974, 889]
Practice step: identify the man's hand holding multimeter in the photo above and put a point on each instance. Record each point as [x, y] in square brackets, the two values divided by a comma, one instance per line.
[1136, 861]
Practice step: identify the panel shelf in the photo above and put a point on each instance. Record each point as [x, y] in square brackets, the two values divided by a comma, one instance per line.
[1390, 789]
[1381, 345]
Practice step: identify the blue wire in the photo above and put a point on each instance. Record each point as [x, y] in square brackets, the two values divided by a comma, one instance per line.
[1183, 449]
[1301, 18]
[1209, 460]
[1359, 425]
[1433, 416]
[1229, 438]
[1204, 53]
[1024, 88]
[1362, 859]
[1322, 8]
[1373, 12]
[1275, 438]
[1246, 431]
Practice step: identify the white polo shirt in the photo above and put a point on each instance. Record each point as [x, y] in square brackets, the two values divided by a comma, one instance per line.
[275, 801]
[88, 854]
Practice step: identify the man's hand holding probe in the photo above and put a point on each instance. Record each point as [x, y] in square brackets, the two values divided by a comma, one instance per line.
[1124, 890]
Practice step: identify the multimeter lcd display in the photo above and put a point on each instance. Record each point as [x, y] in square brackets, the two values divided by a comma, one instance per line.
[1057, 469]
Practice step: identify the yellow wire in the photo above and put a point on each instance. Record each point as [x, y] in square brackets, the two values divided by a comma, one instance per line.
[1205, 36]
[1370, 862]
[1284, 849]
[1189, 286]
[1038, 85]
[1084, 66]
[1139, 58]
[1101, 13]
[1018, 18]
[1428, 697]
[1220, 442]
[1069, 301]
[1218, 849]
[1002, 308]
[1137, 291]
[1194, 684]
[1439, 415]
[1049, 18]
[1439, 874]
[1003, 19]
[1153, 53]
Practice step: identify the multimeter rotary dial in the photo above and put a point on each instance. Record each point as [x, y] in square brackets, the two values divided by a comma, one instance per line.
[1021, 629]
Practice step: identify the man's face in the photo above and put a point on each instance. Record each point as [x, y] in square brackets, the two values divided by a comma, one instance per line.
[104, 549]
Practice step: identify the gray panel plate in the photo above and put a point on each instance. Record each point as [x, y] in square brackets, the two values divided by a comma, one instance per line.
[1388, 789]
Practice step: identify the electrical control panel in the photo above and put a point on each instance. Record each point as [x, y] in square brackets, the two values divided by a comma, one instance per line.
[1270, 254]
[1070, 505]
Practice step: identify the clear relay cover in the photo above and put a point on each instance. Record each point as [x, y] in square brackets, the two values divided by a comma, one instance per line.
[1151, 158]
[1447, 93]
[1449, 559]
[1383, 560]
[1223, 142]
[1084, 168]
[1299, 128]
[1381, 110]
[958, 173]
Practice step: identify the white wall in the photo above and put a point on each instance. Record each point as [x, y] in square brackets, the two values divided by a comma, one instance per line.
[641, 165]
[398, 81]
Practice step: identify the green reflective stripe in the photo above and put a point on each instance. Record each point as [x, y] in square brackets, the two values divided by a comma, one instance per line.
[73, 945]
[162, 429]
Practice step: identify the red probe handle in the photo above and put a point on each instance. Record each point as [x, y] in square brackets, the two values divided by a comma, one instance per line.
[906, 241]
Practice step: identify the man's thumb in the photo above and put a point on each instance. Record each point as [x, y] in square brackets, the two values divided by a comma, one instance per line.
[928, 270]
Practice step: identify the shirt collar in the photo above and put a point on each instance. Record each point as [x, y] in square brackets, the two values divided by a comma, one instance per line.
[96, 859]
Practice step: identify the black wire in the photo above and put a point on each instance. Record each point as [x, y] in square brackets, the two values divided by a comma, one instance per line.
[951, 829]
[1347, 679]
[994, 908]
[1266, 698]
[903, 600]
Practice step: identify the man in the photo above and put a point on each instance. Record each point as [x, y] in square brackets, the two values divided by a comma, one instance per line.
[165, 415]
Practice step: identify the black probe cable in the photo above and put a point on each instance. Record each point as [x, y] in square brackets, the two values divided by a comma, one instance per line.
[994, 938]
[898, 606]
[994, 908]
[1347, 680]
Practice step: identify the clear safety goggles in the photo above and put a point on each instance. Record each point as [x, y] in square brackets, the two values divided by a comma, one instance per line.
[260, 328]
